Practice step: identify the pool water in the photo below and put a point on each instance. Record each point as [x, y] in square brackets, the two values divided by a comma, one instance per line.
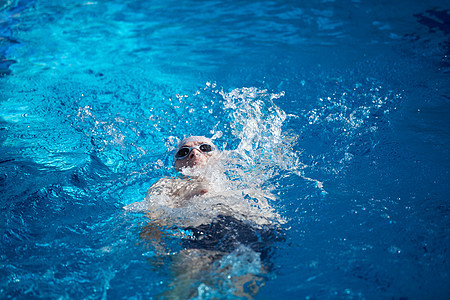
[338, 108]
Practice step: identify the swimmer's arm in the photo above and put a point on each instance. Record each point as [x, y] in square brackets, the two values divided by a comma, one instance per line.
[154, 232]
[158, 188]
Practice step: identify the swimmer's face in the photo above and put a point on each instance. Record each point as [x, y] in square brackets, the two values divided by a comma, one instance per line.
[196, 157]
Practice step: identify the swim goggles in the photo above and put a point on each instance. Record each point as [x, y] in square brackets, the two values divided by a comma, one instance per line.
[185, 151]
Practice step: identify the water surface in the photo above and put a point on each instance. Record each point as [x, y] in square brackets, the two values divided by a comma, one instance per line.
[340, 106]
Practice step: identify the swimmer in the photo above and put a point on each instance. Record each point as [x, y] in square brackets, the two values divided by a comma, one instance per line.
[191, 204]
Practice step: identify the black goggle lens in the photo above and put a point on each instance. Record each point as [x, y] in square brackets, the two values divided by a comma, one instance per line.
[205, 148]
[184, 151]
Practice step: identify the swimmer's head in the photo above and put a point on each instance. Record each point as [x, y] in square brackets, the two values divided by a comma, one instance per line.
[194, 151]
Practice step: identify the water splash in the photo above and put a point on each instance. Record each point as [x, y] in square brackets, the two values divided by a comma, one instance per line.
[243, 178]
[264, 147]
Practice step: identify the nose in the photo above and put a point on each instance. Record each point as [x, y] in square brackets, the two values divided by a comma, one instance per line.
[194, 153]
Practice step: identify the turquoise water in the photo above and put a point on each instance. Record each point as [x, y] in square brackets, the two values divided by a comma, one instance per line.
[338, 107]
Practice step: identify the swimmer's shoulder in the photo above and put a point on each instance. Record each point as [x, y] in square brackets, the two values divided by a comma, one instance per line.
[163, 185]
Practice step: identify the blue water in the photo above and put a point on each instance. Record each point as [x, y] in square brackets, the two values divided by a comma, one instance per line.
[355, 94]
